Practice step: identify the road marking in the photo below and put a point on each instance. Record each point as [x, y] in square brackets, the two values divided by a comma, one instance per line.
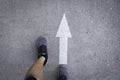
[63, 33]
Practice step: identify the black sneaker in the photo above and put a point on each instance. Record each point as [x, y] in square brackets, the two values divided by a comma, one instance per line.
[63, 72]
[41, 45]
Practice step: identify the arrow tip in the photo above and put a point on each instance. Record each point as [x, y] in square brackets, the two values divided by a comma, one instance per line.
[64, 30]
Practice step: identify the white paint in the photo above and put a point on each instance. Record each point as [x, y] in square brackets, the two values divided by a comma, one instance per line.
[64, 33]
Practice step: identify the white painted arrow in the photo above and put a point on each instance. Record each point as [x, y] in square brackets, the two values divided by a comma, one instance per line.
[64, 33]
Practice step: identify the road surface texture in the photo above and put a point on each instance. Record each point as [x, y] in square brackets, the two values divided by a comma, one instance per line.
[93, 50]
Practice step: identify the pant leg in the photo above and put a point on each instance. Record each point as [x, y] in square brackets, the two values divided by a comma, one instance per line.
[36, 71]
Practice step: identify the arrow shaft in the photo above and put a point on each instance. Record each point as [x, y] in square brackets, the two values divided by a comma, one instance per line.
[63, 50]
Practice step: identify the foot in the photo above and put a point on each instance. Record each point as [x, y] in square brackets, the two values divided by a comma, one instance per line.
[41, 45]
[62, 72]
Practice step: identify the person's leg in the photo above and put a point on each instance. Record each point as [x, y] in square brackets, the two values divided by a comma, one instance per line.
[36, 71]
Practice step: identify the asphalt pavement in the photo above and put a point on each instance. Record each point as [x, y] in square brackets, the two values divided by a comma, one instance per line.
[93, 49]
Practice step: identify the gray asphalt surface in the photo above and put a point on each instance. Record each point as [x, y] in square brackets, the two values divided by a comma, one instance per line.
[93, 51]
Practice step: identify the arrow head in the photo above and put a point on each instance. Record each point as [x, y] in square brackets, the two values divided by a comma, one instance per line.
[63, 30]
